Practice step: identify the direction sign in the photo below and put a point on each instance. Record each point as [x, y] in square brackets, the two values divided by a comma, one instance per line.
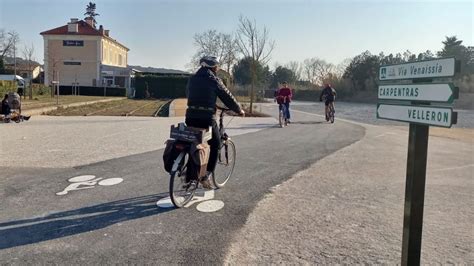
[434, 116]
[419, 92]
[444, 67]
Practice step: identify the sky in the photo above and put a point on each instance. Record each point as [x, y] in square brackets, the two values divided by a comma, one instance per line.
[160, 33]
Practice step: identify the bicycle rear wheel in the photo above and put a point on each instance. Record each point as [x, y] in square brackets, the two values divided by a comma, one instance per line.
[331, 114]
[225, 164]
[181, 192]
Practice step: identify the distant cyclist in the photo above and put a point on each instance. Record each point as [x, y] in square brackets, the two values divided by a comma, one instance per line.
[329, 95]
[284, 96]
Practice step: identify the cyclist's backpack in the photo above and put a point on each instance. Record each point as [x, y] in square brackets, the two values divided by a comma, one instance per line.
[169, 154]
[14, 100]
[197, 165]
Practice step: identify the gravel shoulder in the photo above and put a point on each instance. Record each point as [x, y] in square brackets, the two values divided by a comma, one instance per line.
[61, 142]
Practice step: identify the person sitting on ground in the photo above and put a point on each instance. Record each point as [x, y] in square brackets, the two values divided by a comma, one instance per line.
[5, 106]
[8, 114]
[6, 111]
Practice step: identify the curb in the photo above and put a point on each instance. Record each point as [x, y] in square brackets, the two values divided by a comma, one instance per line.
[174, 111]
[42, 111]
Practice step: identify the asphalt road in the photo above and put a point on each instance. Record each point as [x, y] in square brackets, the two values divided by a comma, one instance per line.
[366, 113]
[122, 223]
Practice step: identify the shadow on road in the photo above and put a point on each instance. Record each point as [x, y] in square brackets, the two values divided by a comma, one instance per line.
[308, 122]
[258, 126]
[61, 224]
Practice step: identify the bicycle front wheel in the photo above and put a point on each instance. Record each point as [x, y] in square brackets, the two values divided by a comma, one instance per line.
[225, 164]
[181, 191]
[281, 118]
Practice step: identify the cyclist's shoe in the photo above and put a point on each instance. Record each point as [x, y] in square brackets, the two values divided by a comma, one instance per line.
[205, 182]
[190, 185]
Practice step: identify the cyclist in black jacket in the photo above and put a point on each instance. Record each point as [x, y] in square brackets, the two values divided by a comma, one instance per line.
[203, 89]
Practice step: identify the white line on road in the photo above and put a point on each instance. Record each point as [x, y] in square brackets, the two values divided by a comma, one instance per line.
[454, 168]
[338, 119]
[388, 133]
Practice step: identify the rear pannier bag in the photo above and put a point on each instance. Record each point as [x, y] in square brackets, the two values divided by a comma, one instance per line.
[197, 165]
[170, 154]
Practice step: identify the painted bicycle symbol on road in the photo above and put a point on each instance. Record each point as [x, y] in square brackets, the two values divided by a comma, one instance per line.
[87, 182]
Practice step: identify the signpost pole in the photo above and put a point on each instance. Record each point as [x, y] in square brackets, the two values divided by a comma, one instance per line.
[414, 194]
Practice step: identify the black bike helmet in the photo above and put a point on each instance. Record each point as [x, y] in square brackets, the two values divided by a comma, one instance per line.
[209, 61]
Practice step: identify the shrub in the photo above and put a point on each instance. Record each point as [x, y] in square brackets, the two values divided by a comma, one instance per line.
[164, 87]
[7, 86]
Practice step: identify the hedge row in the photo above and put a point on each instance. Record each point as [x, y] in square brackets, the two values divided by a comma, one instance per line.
[6, 87]
[93, 91]
[302, 95]
[161, 87]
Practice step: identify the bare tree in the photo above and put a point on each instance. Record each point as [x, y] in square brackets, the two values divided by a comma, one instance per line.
[229, 50]
[213, 43]
[28, 53]
[317, 71]
[309, 69]
[324, 70]
[8, 43]
[341, 67]
[256, 45]
[296, 67]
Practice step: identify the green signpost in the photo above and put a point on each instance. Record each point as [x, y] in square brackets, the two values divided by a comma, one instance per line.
[412, 103]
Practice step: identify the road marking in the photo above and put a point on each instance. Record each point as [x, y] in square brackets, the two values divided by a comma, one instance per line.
[88, 181]
[165, 203]
[110, 181]
[454, 168]
[81, 178]
[322, 116]
[384, 134]
[210, 206]
[200, 195]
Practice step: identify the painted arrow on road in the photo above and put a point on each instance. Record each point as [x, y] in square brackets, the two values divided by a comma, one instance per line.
[433, 116]
[419, 92]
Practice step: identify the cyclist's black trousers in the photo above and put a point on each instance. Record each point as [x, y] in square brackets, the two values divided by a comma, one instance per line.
[214, 143]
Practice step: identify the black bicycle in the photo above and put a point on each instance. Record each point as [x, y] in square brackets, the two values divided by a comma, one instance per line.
[332, 112]
[282, 114]
[182, 190]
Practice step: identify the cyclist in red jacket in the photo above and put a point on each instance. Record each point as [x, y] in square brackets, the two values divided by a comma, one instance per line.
[284, 97]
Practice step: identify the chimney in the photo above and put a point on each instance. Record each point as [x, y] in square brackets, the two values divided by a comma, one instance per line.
[90, 21]
[107, 33]
[101, 29]
[72, 26]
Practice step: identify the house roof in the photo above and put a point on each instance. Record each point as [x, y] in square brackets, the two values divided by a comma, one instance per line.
[155, 70]
[19, 61]
[83, 29]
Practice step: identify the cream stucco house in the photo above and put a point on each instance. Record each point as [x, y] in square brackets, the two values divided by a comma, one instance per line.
[81, 54]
